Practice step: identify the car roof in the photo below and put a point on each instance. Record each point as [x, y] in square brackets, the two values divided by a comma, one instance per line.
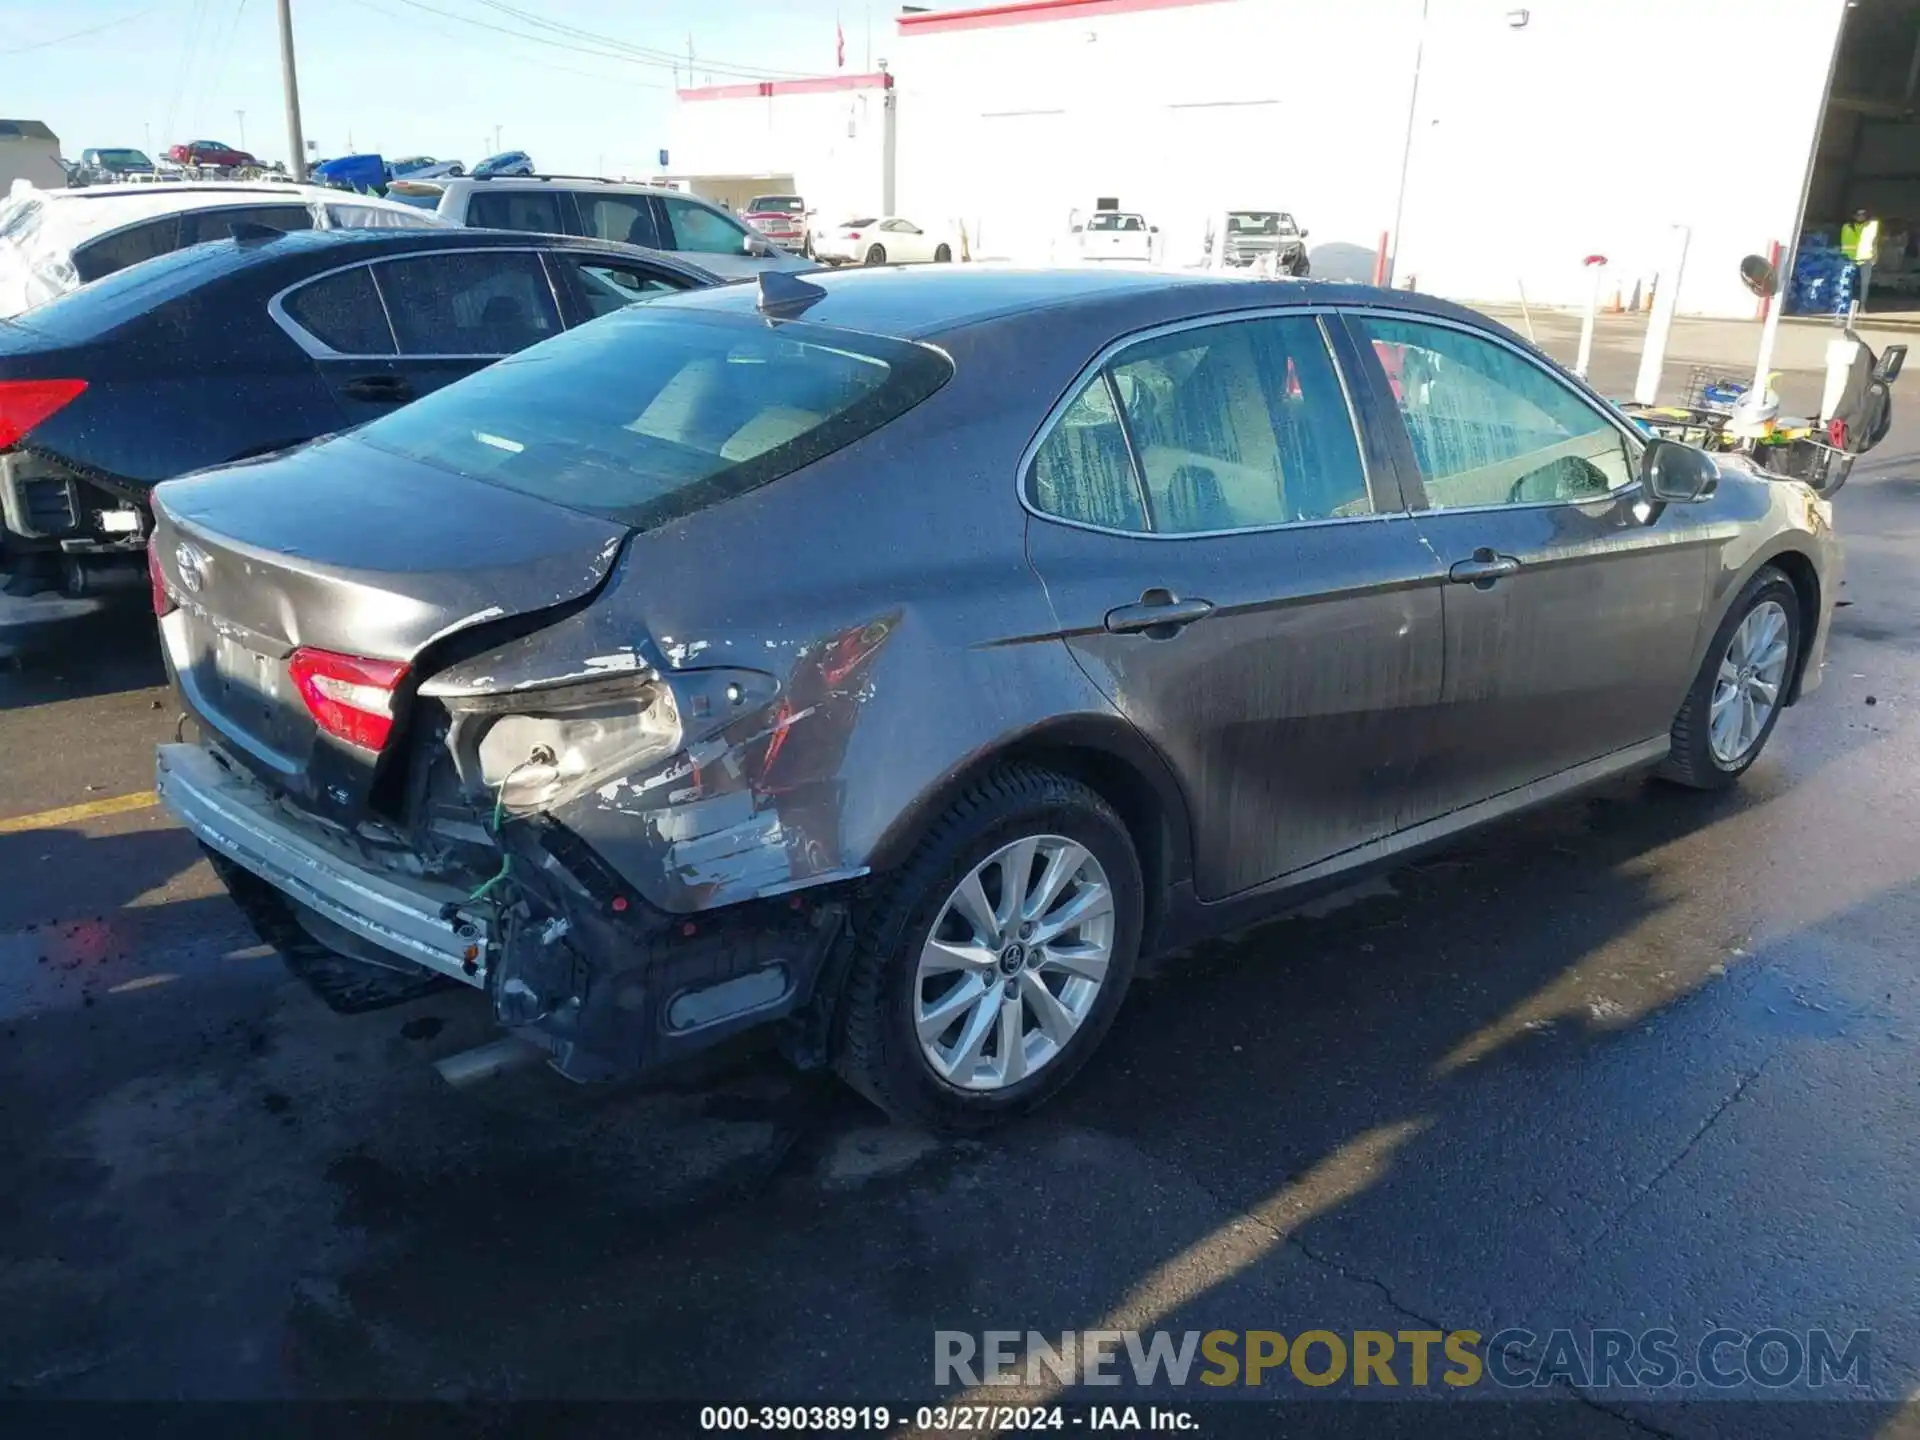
[924, 302]
[297, 256]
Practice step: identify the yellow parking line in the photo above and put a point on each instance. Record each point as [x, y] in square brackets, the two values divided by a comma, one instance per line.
[66, 815]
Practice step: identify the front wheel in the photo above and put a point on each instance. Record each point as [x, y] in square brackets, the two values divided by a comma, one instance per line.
[876, 255]
[1736, 698]
[988, 968]
[942, 255]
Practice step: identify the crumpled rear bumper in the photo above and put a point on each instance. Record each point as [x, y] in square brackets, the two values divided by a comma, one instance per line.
[237, 818]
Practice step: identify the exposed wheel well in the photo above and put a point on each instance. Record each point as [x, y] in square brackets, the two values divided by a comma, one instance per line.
[1806, 584]
[1149, 806]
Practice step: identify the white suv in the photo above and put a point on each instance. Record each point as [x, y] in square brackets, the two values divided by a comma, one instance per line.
[645, 215]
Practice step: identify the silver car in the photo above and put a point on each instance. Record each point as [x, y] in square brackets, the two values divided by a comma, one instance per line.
[651, 216]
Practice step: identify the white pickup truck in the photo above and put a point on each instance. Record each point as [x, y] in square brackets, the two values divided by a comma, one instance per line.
[1114, 235]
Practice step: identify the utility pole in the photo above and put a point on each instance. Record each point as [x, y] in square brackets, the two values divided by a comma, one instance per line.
[496, 139]
[296, 144]
[240, 116]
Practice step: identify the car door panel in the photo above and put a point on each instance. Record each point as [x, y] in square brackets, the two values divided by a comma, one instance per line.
[1294, 702]
[1574, 607]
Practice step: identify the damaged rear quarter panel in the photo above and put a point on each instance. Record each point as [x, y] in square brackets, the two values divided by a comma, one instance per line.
[884, 595]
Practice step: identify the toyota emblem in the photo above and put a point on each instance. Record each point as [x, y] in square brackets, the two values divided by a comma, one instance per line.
[192, 566]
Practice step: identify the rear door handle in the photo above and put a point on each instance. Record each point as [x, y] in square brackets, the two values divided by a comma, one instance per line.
[1159, 616]
[379, 389]
[1483, 569]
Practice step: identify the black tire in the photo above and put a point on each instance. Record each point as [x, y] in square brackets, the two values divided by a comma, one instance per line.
[942, 254]
[877, 1051]
[1692, 761]
[1302, 268]
[876, 255]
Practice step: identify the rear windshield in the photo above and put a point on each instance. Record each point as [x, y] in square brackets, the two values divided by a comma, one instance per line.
[654, 412]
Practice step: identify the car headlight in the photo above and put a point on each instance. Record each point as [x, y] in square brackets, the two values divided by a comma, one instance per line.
[538, 758]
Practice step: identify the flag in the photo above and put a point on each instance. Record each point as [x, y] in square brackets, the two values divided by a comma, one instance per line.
[839, 45]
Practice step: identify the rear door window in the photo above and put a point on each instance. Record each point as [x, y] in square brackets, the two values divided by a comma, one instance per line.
[469, 302]
[605, 286]
[539, 212]
[127, 247]
[199, 226]
[657, 411]
[701, 230]
[343, 312]
[627, 219]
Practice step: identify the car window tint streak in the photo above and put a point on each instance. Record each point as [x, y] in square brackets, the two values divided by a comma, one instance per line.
[1235, 426]
[1488, 426]
[470, 303]
[343, 312]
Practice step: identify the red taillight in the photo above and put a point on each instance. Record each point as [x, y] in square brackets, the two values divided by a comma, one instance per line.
[162, 601]
[25, 403]
[853, 234]
[350, 696]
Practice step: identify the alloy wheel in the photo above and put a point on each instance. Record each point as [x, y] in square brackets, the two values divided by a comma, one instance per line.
[1746, 689]
[1013, 963]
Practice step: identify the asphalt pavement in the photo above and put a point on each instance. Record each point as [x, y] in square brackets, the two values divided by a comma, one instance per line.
[1643, 1060]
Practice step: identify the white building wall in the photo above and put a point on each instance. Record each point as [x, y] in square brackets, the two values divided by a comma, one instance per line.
[1591, 129]
[831, 141]
[1597, 127]
[1177, 112]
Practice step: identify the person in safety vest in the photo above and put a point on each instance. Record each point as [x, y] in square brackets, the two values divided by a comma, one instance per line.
[1860, 239]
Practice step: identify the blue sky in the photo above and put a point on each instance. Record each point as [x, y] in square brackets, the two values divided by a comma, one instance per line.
[403, 76]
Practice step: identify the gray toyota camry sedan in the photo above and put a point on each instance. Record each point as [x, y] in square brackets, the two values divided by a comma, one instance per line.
[896, 658]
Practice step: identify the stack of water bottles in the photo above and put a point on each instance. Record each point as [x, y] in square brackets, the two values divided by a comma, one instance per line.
[1823, 280]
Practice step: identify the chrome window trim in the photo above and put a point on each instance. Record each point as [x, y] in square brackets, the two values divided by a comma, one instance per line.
[317, 349]
[1579, 389]
[1023, 472]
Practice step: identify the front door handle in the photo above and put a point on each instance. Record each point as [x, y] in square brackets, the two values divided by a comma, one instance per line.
[1158, 616]
[379, 389]
[1483, 569]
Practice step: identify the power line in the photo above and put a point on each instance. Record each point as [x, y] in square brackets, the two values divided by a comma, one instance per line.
[80, 34]
[210, 87]
[647, 52]
[187, 55]
[664, 63]
[524, 60]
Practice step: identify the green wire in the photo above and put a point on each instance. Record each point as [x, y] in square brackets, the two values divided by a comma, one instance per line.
[506, 859]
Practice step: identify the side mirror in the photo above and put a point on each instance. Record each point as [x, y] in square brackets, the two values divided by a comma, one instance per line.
[1891, 362]
[1677, 474]
[1758, 275]
[1305, 233]
[1153, 229]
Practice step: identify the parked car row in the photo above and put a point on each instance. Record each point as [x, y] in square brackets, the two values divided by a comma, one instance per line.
[55, 241]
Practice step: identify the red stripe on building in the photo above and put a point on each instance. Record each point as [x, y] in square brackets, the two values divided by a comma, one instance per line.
[813, 85]
[1029, 12]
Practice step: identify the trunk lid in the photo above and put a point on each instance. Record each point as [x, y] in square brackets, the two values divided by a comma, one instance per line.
[345, 548]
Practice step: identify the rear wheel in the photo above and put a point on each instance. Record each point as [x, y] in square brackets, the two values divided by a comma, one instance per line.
[942, 254]
[1736, 698]
[989, 967]
[876, 255]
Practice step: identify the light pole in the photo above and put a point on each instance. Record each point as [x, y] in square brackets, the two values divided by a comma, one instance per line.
[496, 139]
[296, 146]
[240, 117]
